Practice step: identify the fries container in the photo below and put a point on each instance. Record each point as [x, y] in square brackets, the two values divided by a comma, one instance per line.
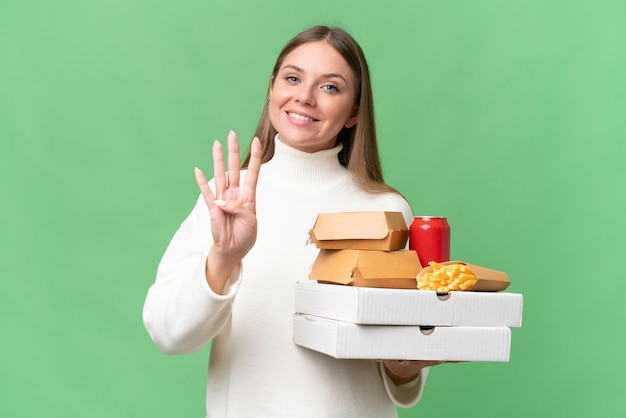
[489, 280]
[367, 268]
[383, 231]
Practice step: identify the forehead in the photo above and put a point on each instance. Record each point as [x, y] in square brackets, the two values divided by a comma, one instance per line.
[318, 57]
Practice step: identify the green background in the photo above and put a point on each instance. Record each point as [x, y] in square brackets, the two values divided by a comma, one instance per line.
[508, 117]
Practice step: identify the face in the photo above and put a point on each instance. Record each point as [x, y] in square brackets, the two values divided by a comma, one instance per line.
[312, 97]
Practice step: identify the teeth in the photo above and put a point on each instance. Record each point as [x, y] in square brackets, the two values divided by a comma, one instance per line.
[300, 117]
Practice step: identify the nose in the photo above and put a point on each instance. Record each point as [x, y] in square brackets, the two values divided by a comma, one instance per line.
[306, 95]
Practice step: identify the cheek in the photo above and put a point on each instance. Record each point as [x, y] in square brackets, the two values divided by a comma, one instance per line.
[273, 111]
[276, 101]
[344, 112]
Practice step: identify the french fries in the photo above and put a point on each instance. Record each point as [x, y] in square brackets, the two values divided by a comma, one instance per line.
[447, 277]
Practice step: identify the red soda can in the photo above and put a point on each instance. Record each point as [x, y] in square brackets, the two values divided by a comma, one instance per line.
[429, 236]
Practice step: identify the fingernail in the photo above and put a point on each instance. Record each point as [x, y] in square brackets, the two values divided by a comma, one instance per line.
[220, 203]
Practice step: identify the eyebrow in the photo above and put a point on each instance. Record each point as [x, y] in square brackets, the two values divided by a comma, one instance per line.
[329, 75]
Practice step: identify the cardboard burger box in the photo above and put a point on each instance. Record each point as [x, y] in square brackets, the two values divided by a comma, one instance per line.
[346, 340]
[385, 231]
[371, 306]
[367, 268]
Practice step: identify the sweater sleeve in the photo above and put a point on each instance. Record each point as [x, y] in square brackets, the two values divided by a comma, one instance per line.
[181, 312]
[408, 394]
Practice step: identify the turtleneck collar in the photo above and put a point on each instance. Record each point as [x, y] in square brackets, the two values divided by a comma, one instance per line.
[303, 168]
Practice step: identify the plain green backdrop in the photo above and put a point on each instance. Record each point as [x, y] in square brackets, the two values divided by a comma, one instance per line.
[508, 117]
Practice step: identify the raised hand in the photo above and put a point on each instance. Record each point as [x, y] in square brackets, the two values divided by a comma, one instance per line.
[232, 209]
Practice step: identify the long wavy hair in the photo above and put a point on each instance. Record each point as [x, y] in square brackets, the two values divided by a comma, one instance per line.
[360, 148]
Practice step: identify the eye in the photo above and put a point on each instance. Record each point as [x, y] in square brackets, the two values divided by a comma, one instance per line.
[330, 88]
[291, 79]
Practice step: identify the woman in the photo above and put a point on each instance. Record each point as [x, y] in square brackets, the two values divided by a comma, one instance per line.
[228, 274]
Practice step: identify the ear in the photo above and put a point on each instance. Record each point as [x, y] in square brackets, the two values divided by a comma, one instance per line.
[353, 118]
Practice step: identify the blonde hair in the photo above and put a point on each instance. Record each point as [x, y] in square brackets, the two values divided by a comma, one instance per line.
[360, 148]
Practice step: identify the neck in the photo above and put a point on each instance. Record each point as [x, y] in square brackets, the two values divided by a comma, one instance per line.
[303, 168]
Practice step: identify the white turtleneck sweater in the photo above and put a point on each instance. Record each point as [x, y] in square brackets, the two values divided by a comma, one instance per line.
[255, 369]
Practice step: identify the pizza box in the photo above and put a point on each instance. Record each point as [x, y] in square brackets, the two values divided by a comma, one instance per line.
[385, 306]
[345, 340]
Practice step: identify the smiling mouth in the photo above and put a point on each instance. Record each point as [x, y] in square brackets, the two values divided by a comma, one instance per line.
[300, 117]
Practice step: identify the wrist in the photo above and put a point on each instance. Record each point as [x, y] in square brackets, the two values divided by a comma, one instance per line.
[401, 372]
[217, 270]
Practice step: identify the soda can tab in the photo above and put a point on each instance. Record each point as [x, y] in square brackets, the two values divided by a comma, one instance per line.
[429, 236]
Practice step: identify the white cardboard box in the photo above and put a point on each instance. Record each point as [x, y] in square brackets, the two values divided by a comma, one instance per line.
[345, 340]
[365, 305]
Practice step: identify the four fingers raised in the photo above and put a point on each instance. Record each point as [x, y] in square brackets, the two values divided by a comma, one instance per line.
[223, 179]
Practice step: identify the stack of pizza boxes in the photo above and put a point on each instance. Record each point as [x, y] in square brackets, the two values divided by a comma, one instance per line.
[361, 299]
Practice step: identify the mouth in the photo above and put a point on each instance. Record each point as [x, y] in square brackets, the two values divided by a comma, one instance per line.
[299, 116]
